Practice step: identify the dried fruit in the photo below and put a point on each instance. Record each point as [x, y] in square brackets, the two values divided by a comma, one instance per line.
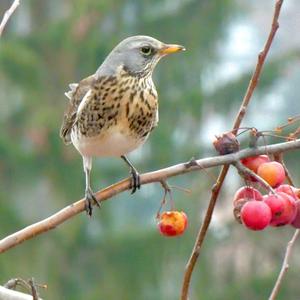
[226, 143]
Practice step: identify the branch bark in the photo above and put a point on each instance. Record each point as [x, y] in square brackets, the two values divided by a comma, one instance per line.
[218, 185]
[156, 176]
[7, 294]
[8, 14]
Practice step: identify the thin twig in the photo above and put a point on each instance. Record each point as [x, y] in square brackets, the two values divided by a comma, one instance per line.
[218, 185]
[167, 191]
[244, 171]
[33, 287]
[156, 176]
[8, 14]
[285, 265]
[279, 157]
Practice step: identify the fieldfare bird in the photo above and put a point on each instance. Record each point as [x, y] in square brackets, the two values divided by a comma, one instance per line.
[113, 111]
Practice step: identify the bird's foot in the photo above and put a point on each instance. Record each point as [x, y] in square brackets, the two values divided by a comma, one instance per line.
[135, 180]
[90, 199]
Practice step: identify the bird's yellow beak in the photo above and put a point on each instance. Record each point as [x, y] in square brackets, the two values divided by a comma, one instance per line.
[170, 48]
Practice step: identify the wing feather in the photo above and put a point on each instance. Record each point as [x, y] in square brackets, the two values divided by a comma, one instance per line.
[75, 95]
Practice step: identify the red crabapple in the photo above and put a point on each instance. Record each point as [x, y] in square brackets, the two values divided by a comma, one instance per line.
[256, 215]
[272, 172]
[276, 204]
[254, 162]
[296, 221]
[247, 192]
[241, 196]
[283, 208]
[290, 190]
[172, 223]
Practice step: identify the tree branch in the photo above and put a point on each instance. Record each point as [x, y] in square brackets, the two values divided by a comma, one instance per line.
[8, 14]
[285, 265]
[218, 185]
[7, 294]
[156, 176]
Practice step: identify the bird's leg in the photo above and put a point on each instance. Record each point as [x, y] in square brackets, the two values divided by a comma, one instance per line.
[135, 176]
[89, 195]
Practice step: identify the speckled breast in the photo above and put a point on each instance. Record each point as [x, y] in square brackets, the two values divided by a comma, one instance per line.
[123, 106]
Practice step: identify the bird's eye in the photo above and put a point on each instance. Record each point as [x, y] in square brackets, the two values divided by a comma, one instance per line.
[146, 50]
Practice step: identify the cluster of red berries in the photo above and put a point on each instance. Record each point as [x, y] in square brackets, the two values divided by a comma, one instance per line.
[278, 208]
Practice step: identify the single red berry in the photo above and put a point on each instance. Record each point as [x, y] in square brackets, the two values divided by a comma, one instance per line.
[272, 172]
[276, 204]
[254, 162]
[247, 192]
[172, 223]
[242, 196]
[290, 190]
[256, 215]
[283, 208]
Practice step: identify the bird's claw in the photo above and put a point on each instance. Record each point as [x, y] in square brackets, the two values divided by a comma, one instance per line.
[90, 199]
[135, 180]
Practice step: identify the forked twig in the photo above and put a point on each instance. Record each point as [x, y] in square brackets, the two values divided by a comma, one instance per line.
[157, 176]
[218, 185]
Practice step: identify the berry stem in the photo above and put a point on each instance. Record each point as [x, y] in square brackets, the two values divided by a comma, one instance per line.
[245, 172]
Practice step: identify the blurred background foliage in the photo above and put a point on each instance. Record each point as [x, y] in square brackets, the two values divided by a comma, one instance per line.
[118, 254]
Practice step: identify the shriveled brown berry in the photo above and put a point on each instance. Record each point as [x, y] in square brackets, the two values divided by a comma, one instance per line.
[226, 143]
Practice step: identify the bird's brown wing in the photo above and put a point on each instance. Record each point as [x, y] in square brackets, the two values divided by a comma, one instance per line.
[76, 94]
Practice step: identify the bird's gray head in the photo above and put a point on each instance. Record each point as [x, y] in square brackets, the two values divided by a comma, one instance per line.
[138, 55]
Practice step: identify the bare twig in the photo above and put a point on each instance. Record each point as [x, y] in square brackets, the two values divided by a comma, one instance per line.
[8, 14]
[279, 157]
[156, 176]
[167, 192]
[285, 265]
[33, 288]
[218, 185]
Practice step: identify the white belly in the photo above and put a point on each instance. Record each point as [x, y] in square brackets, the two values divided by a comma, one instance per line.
[113, 143]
